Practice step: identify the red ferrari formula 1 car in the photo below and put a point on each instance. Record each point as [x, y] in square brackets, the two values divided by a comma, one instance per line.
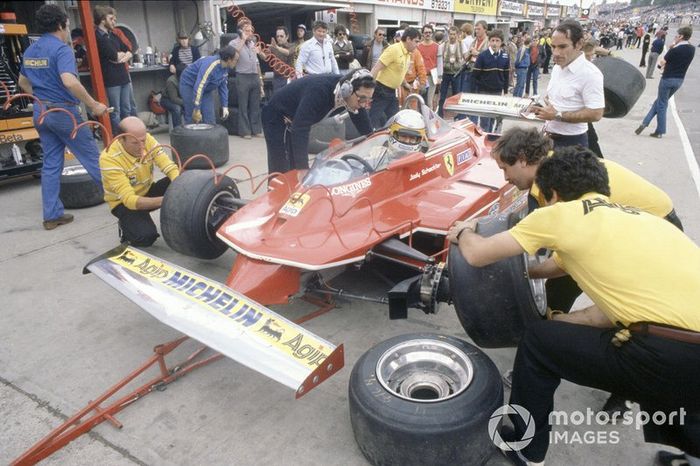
[347, 210]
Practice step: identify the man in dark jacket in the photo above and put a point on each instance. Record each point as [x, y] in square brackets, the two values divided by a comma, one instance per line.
[491, 71]
[288, 118]
[183, 52]
[114, 54]
[675, 64]
[373, 50]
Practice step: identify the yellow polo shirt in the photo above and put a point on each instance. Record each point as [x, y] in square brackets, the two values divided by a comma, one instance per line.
[635, 266]
[627, 188]
[125, 178]
[395, 59]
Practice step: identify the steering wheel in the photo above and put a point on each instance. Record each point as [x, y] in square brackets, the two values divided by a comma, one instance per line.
[368, 168]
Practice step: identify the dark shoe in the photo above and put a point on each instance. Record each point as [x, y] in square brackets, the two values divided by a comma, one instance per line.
[62, 220]
[616, 406]
[639, 130]
[666, 458]
[656, 135]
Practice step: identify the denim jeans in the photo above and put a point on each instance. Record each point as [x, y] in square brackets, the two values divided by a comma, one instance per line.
[520, 75]
[55, 135]
[384, 106]
[120, 99]
[174, 110]
[667, 87]
[533, 73]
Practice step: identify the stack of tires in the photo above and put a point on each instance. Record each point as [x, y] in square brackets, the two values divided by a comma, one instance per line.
[200, 138]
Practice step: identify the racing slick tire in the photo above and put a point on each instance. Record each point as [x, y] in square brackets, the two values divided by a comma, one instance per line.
[78, 189]
[323, 132]
[201, 138]
[422, 399]
[193, 209]
[495, 303]
[623, 83]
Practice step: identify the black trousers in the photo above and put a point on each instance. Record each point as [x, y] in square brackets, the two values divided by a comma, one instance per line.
[660, 374]
[563, 291]
[561, 140]
[136, 226]
[384, 105]
[279, 145]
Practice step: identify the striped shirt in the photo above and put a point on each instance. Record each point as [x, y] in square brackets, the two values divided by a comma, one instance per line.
[185, 55]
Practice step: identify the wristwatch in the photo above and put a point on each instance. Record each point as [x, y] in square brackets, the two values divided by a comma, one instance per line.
[558, 116]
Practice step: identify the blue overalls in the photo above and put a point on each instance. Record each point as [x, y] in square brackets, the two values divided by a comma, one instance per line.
[197, 83]
[42, 65]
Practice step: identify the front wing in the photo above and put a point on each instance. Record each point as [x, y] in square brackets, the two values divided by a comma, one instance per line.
[220, 318]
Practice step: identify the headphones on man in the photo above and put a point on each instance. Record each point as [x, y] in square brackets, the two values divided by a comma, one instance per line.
[347, 86]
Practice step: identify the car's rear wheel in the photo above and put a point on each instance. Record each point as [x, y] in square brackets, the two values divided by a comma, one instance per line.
[495, 303]
[622, 84]
[193, 209]
[422, 399]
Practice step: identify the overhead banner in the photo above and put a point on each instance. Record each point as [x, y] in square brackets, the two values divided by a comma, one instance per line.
[406, 3]
[553, 11]
[512, 7]
[477, 7]
[441, 5]
[534, 10]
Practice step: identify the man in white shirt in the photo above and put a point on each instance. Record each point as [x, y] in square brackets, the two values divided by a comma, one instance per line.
[316, 55]
[575, 92]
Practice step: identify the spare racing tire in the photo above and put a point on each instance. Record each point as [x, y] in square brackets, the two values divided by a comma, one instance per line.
[495, 303]
[201, 138]
[623, 83]
[422, 399]
[323, 132]
[193, 209]
[78, 189]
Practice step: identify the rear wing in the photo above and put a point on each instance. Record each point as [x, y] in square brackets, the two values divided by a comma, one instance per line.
[220, 318]
[493, 106]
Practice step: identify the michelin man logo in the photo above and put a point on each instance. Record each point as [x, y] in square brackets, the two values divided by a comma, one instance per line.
[514, 445]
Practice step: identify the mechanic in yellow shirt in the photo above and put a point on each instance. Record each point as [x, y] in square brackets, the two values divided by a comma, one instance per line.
[128, 181]
[519, 151]
[641, 337]
[390, 73]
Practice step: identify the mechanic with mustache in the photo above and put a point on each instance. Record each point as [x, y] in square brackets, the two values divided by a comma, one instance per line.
[641, 337]
[575, 91]
[288, 117]
[519, 151]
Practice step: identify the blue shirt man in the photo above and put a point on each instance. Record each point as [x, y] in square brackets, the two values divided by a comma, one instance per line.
[203, 77]
[49, 72]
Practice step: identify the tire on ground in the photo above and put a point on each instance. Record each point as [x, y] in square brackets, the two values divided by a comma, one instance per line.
[211, 140]
[78, 189]
[495, 303]
[231, 123]
[193, 209]
[323, 132]
[399, 415]
[623, 84]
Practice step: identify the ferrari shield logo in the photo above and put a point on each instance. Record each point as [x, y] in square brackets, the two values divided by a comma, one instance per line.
[449, 163]
[296, 202]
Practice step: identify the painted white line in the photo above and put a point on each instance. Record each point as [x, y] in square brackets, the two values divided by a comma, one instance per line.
[687, 148]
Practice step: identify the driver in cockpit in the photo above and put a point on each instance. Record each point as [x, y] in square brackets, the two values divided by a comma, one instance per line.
[407, 134]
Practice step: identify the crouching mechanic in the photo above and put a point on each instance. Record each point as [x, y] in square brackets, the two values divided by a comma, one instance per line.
[519, 151]
[127, 177]
[641, 337]
[288, 117]
[407, 134]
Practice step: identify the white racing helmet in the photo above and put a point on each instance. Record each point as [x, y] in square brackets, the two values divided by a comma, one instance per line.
[407, 131]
